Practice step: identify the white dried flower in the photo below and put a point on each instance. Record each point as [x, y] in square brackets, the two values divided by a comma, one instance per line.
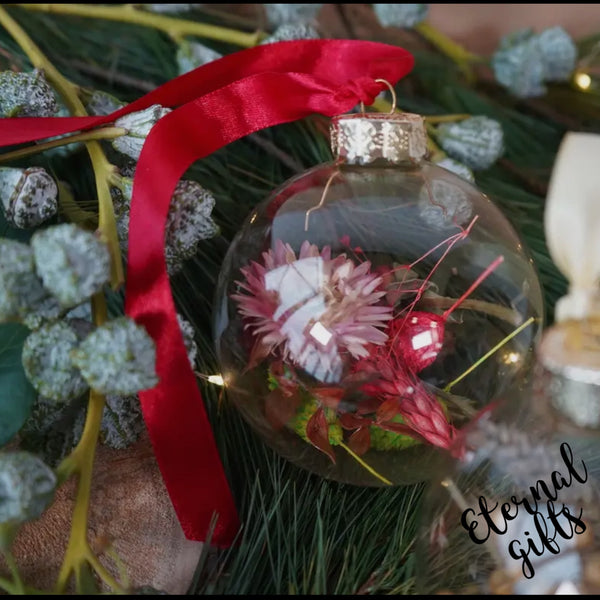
[477, 141]
[138, 125]
[28, 196]
[189, 221]
[400, 15]
[72, 262]
[457, 168]
[26, 95]
[290, 32]
[559, 54]
[101, 103]
[187, 331]
[47, 361]
[191, 55]
[21, 290]
[27, 487]
[291, 14]
[117, 358]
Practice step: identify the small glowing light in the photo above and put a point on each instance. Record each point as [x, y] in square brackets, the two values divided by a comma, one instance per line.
[216, 379]
[583, 81]
[320, 333]
[511, 358]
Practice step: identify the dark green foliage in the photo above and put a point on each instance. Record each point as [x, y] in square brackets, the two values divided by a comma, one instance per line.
[16, 392]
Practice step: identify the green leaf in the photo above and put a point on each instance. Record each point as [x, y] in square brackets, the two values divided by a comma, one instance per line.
[16, 393]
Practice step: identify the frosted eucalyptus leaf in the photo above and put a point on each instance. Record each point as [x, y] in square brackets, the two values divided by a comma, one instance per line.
[291, 31]
[559, 54]
[26, 95]
[21, 291]
[169, 8]
[400, 15]
[291, 14]
[47, 360]
[28, 196]
[117, 358]
[189, 221]
[518, 64]
[102, 103]
[122, 421]
[457, 168]
[27, 487]
[138, 125]
[53, 430]
[187, 331]
[477, 141]
[73, 263]
[191, 55]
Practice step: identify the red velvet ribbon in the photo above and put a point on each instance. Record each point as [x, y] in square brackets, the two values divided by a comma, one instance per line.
[218, 103]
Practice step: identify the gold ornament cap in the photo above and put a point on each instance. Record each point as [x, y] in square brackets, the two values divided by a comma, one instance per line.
[361, 139]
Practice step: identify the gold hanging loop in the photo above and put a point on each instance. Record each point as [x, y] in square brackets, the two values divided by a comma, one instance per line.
[392, 92]
[322, 201]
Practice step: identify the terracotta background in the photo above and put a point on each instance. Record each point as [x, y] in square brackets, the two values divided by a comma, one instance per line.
[480, 26]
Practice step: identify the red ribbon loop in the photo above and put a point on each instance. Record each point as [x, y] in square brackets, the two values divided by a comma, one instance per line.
[220, 102]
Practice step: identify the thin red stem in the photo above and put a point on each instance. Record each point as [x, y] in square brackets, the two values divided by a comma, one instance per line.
[487, 272]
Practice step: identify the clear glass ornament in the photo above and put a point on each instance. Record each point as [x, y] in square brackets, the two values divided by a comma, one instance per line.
[517, 510]
[371, 305]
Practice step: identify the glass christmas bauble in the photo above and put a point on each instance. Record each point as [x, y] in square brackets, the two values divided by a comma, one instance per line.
[517, 510]
[371, 305]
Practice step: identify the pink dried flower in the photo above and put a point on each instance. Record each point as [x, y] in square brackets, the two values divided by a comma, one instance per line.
[312, 308]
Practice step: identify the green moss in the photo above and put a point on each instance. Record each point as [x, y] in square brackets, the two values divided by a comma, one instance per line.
[381, 439]
[307, 409]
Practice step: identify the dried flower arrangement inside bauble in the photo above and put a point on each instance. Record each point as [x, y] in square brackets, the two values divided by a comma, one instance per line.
[371, 305]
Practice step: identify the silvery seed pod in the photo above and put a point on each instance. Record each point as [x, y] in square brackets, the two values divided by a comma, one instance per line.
[101, 103]
[28, 196]
[47, 360]
[559, 54]
[291, 14]
[290, 32]
[457, 168]
[27, 487]
[138, 125]
[400, 15]
[477, 141]
[72, 262]
[191, 55]
[21, 290]
[189, 220]
[187, 331]
[26, 95]
[117, 358]
[518, 64]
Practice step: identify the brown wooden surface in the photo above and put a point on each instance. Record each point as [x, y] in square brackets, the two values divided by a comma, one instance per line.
[130, 506]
